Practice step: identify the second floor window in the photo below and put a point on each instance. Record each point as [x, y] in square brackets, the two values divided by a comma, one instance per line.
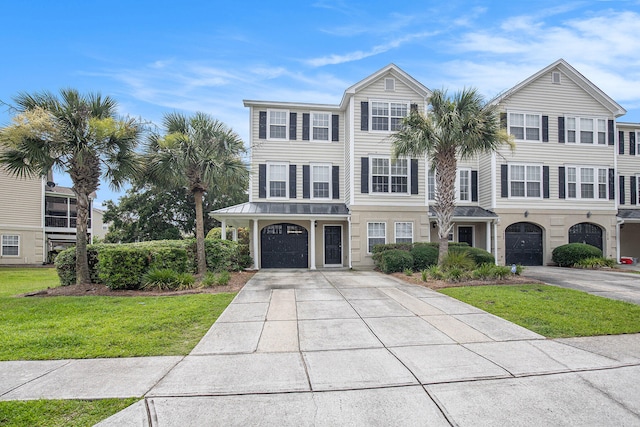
[278, 124]
[278, 179]
[462, 185]
[587, 182]
[525, 181]
[321, 178]
[525, 127]
[581, 130]
[320, 124]
[387, 116]
[389, 176]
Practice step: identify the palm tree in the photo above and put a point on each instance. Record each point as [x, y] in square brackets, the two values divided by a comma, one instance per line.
[77, 134]
[201, 154]
[462, 126]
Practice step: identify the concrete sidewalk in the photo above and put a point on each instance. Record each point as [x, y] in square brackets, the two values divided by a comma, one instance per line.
[356, 348]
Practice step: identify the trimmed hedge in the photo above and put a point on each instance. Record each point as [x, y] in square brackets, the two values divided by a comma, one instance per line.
[571, 253]
[122, 266]
[395, 260]
[425, 254]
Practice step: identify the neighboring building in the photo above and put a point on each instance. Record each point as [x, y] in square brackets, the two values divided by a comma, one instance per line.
[37, 221]
[324, 188]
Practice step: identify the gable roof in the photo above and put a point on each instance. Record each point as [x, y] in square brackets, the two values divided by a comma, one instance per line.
[575, 77]
[396, 72]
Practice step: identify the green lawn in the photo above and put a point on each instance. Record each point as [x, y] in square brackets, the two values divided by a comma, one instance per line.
[552, 311]
[87, 327]
[59, 413]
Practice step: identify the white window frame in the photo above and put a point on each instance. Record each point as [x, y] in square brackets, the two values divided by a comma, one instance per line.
[408, 229]
[4, 243]
[270, 165]
[596, 183]
[312, 125]
[637, 200]
[377, 235]
[390, 165]
[432, 186]
[391, 126]
[526, 125]
[313, 181]
[526, 181]
[577, 128]
[270, 114]
[637, 142]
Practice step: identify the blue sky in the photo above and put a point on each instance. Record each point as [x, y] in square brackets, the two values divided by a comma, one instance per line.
[161, 56]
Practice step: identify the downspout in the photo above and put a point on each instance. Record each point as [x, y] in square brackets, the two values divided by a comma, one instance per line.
[619, 223]
[349, 227]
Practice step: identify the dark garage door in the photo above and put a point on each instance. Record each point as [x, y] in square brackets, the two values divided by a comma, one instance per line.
[284, 246]
[523, 242]
[586, 233]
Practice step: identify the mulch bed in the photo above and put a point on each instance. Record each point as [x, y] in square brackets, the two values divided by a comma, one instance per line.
[238, 280]
[416, 279]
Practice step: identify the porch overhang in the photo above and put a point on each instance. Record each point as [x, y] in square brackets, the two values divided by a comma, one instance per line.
[467, 214]
[628, 216]
[242, 213]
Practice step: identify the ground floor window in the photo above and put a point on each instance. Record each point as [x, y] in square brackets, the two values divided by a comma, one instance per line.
[404, 232]
[10, 245]
[376, 235]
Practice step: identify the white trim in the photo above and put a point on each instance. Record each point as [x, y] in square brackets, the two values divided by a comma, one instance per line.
[329, 127]
[457, 185]
[395, 230]
[2, 245]
[329, 181]
[389, 116]
[524, 125]
[389, 176]
[556, 77]
[526, 181]
[268, 179]
[494, 181]
[578, 139]
[376, 237]
[324, 245]
[637, 147]
[312, 244]
[595, 183]
[286, 124]
[352, 153]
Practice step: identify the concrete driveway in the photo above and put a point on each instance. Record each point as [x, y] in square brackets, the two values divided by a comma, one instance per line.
[615, 285]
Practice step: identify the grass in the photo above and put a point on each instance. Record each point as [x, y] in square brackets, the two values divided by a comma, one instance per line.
[551, 311]
[59, 413]
[93, 326]
[14, 281]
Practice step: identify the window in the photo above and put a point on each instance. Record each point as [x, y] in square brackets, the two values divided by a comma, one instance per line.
[320, 126]
[376, 235]
[525, 181]
[10, 245]
[389, 176]
[278, 179]
[321, 178]
[638, 143]
[387, 116]
[587, 183]
[525, 127]
[462, 185]
[278, 124]
[404, 232]
[581, 130]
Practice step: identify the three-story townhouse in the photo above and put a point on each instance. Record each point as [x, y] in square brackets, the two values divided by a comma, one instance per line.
[628, 166]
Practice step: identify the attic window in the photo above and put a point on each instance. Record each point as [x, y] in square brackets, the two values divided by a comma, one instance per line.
[390, 85]
[555, 77]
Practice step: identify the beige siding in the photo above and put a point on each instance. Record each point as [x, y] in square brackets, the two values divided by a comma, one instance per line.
[22, 201]
[31, 247]
[485, 182]
[629, 165]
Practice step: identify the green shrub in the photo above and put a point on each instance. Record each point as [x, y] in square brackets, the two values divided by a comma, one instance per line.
[458, 260]
[434, 272]
[166, 279]
[479, 256]
[424, 255]
[391, 247]
[570, 254]
[501, 271]
[216, 279]
[484, 272]
[394, 260]
[122, 267]
[172, 258]
[65, 264]
[455, 274]
[595, 263]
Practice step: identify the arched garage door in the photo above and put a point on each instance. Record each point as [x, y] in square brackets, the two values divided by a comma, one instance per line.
[523, 242]
[284, 246]
[587, 233]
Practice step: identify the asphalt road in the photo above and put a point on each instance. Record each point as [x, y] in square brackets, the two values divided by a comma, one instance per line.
[610, 284]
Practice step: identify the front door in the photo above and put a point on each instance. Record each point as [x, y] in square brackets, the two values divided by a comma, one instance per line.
[465, 234]
[333, 245]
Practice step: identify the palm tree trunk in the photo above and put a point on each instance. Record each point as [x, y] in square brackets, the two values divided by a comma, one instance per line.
[445, 198]
[82, 261]
[202, 260]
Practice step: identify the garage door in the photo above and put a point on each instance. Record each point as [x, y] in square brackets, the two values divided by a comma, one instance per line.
[284, 246]
[586, 233]
[523, 242]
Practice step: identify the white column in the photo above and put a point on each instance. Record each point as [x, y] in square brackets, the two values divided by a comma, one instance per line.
[348, 245]
[312, 243]
[488, 237]
[618, 254]
[223, 231]
[256, 264]
[234, 234]
[495, 241]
